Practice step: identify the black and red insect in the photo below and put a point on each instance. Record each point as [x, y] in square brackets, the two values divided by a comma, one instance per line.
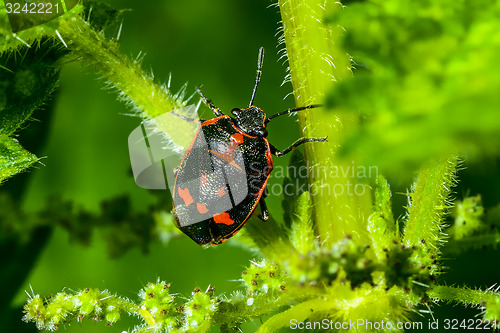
[224, 172]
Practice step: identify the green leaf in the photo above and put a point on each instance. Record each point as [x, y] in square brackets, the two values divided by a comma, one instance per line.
[27, 84]
[296, 314]
[13, 158]
[426, 80]
[468, 215]
[474, 227]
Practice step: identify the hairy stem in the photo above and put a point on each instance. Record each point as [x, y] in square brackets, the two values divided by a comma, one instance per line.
[125, 74]
[299, 313]
[429, 204]
[454, 247]
[134, 85]
[488, 300]
[316, 62]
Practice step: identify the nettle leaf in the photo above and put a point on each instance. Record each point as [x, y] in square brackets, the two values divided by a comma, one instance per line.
[27, 81]
[428, 83]
[468, 214]
[13, 158]
[474, 227]
[29, 70]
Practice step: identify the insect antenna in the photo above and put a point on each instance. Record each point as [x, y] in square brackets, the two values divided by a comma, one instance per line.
[259, 73]
[312, 106]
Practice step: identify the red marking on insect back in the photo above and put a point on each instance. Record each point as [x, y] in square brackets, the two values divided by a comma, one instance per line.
[269, 157]
[186, 196]
[238, 138]
[221, 191]
[223, 218]
[202, 208]
[226, 158]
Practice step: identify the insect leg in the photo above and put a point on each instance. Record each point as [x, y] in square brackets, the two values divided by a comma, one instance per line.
[297, 143]
[259, 73]
[208, 102]
[265, 212]
[195, 120]
[302, 108]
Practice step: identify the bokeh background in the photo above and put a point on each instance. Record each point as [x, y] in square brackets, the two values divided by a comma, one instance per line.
[214, 43]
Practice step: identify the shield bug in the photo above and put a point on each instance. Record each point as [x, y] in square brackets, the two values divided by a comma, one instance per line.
[224, 172]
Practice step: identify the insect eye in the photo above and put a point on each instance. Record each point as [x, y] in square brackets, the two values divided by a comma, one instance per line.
[235, 111]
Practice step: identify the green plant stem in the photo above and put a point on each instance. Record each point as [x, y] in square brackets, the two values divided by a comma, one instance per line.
[429, 204]
[383, 229]
[341, 303]
[64, 307]
[316, 62]
[134, 85]
[126, 75]
[299, 312]
[262, 305]
[488, 299]
[454, 247]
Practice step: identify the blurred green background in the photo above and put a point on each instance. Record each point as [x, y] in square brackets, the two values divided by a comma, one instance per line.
[86, 155]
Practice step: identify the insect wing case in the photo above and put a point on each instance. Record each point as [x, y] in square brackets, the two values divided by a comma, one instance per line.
[211, 178]
[206, 177]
